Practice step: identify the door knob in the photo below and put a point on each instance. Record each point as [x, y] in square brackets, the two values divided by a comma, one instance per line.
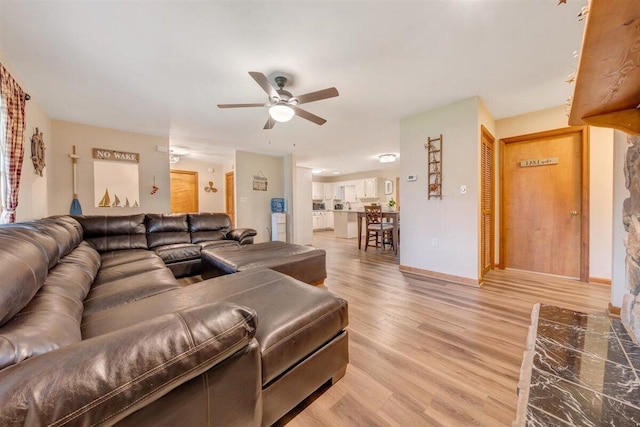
[574, 213]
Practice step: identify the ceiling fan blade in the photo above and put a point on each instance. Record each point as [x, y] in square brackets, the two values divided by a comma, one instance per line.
[239, 105]
[270, 123]
[264, 83]
[317, 96]
[307, 115]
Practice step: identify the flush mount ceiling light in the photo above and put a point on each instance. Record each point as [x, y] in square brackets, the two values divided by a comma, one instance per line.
[317, 170]
[281, 113]
[387, 158]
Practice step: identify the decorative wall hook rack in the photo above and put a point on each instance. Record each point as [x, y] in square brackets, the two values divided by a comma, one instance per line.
[434, 167]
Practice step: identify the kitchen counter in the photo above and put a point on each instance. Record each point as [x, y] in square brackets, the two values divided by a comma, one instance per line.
[345, 223]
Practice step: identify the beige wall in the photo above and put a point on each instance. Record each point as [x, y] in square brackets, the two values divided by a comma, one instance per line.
[208, 201]
[620, 193]
[32, 197]
[253, 208]
[453, 221]
[152, 164]
[601, 179]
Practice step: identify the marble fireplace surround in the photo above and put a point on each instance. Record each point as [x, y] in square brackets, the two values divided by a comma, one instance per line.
[630, 310]
[578, 369]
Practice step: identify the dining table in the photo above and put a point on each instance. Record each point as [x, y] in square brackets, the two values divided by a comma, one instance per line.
[391, 216]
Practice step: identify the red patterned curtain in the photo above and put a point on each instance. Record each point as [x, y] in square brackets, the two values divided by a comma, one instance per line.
[11, 143]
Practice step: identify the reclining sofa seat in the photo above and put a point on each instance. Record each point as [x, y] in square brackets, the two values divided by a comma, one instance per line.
[176, 238]
[87, 338]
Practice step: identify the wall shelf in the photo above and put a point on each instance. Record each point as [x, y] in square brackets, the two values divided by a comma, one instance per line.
[434, 167]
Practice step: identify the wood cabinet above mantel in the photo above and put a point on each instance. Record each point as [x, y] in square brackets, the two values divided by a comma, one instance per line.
[607, 91]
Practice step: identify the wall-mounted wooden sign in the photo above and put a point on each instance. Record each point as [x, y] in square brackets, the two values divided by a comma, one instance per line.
[539, 162]
[118, 156]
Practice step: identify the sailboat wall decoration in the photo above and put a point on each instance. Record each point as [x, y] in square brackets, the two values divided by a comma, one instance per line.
[116, 179]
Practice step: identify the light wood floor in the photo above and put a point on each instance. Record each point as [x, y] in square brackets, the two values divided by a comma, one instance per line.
[430, 353]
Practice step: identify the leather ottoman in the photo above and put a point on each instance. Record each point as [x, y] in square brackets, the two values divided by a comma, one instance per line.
[304, 263]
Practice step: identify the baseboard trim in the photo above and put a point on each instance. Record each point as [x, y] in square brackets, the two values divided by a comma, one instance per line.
[600, 280]
[612, 310]
[440, 276]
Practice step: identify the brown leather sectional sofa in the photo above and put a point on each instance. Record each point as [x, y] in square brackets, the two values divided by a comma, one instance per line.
[95, 328]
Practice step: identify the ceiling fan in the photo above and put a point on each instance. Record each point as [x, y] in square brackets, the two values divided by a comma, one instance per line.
[282, 104]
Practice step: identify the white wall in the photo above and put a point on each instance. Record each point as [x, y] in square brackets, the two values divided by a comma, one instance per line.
[601, 179]
[302, 218]
[207, 201]
[32, 196]
[454, 219]
[253, 208]
[152, 164]
[620, 193]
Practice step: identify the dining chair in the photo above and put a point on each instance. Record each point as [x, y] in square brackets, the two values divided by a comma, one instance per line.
[377, 230]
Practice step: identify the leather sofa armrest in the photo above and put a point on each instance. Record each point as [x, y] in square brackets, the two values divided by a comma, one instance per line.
[103, 379]
[244, 236]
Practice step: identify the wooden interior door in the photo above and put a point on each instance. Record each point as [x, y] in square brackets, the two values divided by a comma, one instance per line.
[184, 191]
[487, 201]
[229, 197]
[545, 203]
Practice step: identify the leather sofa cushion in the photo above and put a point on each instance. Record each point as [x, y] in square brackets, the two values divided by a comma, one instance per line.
[178, 252]
[208, 226]
[52, 318]
[110, 233]
[124, 270]
[215, 244]
[23, 270]
[66, 236]
[101, 381]
[295, 319]
[113, 258]
[129, 289]
[44, 242]
[301, 262]
[167, 229]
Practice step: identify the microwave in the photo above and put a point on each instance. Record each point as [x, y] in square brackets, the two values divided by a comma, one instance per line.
[318, 206]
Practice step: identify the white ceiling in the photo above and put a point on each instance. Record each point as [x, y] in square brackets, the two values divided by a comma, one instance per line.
[160, 67]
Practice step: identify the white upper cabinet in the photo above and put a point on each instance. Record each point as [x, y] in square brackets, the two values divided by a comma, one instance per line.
[329, 190]
[317, 190]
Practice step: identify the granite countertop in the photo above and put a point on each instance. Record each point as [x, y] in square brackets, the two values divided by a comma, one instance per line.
[579, 369]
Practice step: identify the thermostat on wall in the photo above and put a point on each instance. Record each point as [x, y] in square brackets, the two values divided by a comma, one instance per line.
[412, 177]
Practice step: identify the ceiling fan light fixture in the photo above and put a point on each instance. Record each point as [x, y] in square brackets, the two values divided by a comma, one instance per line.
[281, 113]
[387, 158]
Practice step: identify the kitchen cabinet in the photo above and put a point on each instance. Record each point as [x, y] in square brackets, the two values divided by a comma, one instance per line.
[359, 189]
[329, 220]
[350, 193]
[317, 190]
[318, 221]
[373, 188]
[329, 190]
[339, 192]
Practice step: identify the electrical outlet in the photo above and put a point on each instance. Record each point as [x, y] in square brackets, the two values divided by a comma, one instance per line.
[434, 243]
[463, 189]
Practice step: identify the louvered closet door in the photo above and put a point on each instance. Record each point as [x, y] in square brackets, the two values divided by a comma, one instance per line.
[487, 202]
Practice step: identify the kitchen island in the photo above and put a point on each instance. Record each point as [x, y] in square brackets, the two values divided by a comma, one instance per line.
[345, 224]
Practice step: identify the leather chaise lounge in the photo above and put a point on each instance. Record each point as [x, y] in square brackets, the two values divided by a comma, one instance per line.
[96, 330]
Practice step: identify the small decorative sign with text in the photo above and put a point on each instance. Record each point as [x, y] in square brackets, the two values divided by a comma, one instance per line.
[539, 162]
[118, 156]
